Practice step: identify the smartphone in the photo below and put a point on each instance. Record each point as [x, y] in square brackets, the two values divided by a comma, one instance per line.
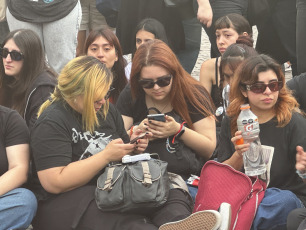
[138, 137]
[157, 117]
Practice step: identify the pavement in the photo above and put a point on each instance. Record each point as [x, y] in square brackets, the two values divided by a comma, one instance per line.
[205, 54]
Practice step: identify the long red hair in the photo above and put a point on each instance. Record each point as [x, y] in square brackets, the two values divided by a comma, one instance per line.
[184, 87]
[247, 74]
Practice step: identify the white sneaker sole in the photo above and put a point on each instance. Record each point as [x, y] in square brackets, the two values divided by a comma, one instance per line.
[226, 216]
[203, 220]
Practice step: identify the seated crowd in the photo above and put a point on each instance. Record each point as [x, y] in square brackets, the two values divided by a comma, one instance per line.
[60, 131]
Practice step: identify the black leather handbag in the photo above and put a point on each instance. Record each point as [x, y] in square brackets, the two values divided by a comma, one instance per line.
[137, 187]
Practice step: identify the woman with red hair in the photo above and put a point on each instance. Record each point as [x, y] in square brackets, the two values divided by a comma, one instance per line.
[158, 80]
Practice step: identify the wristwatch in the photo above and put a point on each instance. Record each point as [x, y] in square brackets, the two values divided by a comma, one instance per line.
[181, 132]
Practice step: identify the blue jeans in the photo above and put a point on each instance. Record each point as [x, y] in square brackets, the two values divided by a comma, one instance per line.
[274, 208]
[192, 191]
[17, 209]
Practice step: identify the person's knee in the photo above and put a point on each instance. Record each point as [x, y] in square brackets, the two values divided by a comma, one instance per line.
[26, 202]
[289, 200]
[295, 217]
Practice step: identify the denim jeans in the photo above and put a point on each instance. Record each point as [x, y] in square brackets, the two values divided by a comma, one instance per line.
[274, 208]
[192, 191]
[301, 35]
[59, 38]
[17, 209]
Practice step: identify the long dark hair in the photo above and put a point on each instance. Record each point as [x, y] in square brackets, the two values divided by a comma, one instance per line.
[154, 27]
[120, 79]
[15, 89]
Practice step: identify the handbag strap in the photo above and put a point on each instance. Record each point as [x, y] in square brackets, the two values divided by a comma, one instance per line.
[109, 179]
[147, 178]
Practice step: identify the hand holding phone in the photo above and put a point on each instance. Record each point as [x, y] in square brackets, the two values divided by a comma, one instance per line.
[142, 135]
[157, 117]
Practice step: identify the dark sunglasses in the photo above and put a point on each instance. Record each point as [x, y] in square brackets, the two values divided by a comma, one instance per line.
[108, 93]
[261, 87]
[15, 55]
[161, 82]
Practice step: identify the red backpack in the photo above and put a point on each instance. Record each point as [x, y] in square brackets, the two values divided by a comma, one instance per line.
[221, 183]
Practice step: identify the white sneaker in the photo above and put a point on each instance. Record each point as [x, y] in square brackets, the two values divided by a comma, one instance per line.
[203, 220]
[226, 216]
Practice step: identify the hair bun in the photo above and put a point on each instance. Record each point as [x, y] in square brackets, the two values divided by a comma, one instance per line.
[246, 40]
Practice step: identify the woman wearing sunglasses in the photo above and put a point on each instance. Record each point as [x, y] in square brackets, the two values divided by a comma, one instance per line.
[259, 81]
[77, 134]
[25, 80]
[104, 45]
[187, 137]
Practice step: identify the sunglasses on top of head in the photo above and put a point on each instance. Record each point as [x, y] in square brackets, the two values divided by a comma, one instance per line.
[261, 87]
[161, 82]
[15, 55]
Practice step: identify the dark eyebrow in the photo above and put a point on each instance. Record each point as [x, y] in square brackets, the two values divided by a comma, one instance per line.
[269, 81]
[150, 79]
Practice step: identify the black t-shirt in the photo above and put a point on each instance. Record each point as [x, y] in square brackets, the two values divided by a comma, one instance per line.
[284, 140]
[14, 131]
[185, 165]
[58, 139]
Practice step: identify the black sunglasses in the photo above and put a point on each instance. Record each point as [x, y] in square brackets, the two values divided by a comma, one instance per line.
[161, 82]
[108, 93]
[261, 87]
[15, 55]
